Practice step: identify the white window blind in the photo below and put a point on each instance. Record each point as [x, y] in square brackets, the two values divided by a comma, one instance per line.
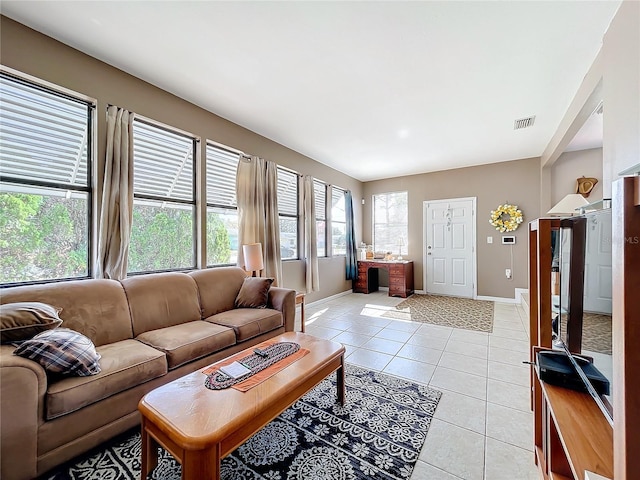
[45, 189]
[222, 166]
[288, 213]
[320, 199]
[163, 227]
[222, 208]
[287, 193]
[43, 135]
[163, 166]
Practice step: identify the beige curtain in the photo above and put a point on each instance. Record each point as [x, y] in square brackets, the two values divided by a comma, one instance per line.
[312, 279]
[117, 196]
[257, 198]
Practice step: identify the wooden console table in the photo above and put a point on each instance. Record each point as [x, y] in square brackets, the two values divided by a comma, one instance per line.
[400, 277]
[571, 435]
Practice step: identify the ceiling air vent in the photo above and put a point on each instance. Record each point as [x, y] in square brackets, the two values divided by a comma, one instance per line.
[524, 122]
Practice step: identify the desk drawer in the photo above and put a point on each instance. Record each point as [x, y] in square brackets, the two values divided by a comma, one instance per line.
[396, 280]
[396, 270]
[397, 290]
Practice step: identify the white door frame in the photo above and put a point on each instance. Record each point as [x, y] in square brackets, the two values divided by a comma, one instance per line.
[474, 246]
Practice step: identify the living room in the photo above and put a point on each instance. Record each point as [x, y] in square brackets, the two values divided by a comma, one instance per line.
[525, 181]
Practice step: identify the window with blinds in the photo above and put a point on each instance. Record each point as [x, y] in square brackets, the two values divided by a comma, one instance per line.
[338, 222]
[288, 213]
[320, 200]
[45, 183]
[390, 221]
[222, 210]
[163, 229]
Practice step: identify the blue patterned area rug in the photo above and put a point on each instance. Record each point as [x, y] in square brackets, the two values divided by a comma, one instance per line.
[377, 434]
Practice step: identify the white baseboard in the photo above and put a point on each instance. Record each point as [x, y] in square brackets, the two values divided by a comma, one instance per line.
[329, 298]
[517, 300]
[496, 299]
[519, 293]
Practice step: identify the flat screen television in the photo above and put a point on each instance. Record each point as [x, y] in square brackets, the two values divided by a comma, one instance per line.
[584, 304]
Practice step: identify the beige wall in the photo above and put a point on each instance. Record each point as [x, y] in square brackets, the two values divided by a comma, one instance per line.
[515, 182]
[30, 52]
[572, 165]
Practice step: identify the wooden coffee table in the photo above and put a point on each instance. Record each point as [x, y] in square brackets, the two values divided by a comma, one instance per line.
[199, 426]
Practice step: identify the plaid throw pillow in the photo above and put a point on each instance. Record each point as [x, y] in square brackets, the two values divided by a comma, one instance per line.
[62, 351]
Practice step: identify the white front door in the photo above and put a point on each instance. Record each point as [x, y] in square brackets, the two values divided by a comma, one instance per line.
[449, 250]
[597, 287]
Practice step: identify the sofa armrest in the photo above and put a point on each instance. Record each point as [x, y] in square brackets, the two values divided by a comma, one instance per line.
[24, 385]
[284, 299]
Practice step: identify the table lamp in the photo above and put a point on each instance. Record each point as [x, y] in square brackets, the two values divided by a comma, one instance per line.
[253, 257]
[569, 205]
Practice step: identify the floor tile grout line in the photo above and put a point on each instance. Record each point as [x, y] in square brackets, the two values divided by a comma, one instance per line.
[441, 470]
[502, 313]
[462, 427]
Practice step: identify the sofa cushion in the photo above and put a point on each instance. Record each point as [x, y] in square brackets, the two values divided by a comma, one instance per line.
[218, 288]
[254, 293]
[23, 320]
[188, 341]
[62, 351]
[248, 322]
[95, 308]
[160, 300]
[125, 364]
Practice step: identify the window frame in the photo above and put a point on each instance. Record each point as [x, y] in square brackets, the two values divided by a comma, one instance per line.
[373, 215]
[325, 219]
[194, 202]
[297, 216]
[88, 189]
[210, 204]
[333, 221]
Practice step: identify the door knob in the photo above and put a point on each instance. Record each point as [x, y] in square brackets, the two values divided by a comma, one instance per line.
[429, 247]
[428, 253]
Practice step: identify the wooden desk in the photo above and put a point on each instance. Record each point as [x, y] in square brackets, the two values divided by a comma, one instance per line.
[400, 277]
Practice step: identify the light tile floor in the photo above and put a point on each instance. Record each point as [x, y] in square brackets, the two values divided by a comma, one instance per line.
[482, 428]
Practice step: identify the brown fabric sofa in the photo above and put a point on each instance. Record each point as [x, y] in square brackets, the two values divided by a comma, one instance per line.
[149, 330]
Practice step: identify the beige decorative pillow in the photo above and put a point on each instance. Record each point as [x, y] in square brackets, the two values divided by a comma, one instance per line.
[23, 320]
[254, 292]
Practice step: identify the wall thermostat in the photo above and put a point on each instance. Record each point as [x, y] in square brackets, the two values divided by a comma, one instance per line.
[508, 239]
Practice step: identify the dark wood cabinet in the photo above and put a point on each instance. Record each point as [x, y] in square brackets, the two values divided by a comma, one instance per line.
[571, 434]
[400, 277]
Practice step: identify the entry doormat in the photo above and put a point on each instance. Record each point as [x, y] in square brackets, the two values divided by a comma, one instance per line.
[378, 434]
[446, 311]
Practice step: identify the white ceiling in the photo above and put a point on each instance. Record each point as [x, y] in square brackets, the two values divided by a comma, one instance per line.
[373, 89]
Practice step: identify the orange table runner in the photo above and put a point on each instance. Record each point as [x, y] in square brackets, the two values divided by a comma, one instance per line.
[261, 376]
